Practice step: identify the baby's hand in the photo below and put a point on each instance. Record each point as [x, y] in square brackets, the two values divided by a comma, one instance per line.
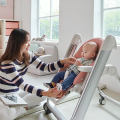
[78, 63]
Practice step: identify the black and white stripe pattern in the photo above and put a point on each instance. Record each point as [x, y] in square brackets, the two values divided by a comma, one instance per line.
[11, 75]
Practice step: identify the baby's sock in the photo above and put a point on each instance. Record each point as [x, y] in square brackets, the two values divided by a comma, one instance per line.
[53, 84]
[59, 86]
[48, 85]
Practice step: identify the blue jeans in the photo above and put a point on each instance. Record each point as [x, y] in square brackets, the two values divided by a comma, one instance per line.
[67, 83]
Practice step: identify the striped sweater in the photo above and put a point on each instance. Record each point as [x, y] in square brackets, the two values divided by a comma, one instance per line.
[11, 75]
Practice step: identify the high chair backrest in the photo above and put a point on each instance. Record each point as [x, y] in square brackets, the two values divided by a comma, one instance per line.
[80, 77]
[98, 41]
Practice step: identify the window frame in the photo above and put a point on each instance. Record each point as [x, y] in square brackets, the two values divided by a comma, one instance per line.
[38, 23]
[102, 18]
[103, 10]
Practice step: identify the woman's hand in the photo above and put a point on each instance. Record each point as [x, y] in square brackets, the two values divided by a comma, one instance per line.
[69, 60]
[48, 93]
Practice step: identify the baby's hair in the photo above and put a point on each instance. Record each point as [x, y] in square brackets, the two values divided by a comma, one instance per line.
[93, 46]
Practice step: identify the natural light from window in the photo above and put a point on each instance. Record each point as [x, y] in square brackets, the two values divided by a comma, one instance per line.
[49, 19]
[111, 18]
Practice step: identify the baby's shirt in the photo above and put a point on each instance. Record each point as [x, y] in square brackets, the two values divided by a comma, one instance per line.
[84, 62]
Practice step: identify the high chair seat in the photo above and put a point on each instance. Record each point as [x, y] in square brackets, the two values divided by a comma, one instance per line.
[81, 76]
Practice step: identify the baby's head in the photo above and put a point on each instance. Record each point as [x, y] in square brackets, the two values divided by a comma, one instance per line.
[89, 50]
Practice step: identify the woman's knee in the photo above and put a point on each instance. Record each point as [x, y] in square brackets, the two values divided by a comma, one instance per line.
[33, 100]
[5, 113]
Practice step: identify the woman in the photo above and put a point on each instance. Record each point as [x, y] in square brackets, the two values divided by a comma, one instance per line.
[14, 64]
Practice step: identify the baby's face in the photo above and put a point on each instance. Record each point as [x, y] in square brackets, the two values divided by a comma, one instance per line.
[87, 52]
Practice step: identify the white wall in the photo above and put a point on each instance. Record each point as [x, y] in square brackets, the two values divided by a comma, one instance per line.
[34, 18]
[6, 12]
[22, 12]
[76, 16]
[25, 11]
[97, 27]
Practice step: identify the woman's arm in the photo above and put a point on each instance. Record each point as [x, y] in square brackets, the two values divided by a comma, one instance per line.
[69, 60]
[15, 78]
[51, 66]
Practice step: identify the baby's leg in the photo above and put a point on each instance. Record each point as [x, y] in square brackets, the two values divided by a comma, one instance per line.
[67, 83]
[58, 77]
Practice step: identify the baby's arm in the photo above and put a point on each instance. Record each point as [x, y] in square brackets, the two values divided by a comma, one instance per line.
[78, 63]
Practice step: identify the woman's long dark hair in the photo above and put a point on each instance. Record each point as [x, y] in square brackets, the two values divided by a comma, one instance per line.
[17, 38]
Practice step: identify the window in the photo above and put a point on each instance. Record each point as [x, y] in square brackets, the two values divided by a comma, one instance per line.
[48, 19]
[111, 18]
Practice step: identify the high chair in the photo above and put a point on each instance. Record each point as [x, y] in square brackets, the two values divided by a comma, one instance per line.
[86, 81]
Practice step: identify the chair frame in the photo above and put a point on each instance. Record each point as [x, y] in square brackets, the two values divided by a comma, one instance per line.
[93, 76]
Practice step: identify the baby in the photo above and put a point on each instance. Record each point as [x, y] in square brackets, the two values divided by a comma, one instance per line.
[88, 54]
